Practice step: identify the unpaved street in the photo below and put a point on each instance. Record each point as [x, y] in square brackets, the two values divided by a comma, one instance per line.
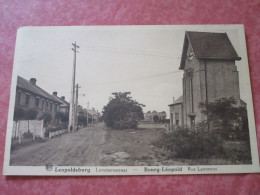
[96, 145]
[79, 148]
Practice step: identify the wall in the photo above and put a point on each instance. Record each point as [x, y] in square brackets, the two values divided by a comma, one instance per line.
[191, 92]
[151, 125]
[42, 108]
[177, 108]
[23, 126]
[222, 81]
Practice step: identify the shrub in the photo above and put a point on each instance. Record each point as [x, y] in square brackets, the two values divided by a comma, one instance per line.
[129, 122]
[46, 118]
[31, 114]
[19, 114]
[156, 118]
[185, 143]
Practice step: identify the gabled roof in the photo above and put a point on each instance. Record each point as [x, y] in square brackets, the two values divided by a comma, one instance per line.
[208, 45]
[65, 103]
[178, 101]
[34, 89]
[57, 99]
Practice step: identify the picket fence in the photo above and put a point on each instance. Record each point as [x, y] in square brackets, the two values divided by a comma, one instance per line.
[56, 133]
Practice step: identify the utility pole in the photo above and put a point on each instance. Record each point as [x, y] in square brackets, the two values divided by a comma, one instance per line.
[76, 106]
[87, 112]
[71, 126]
[92, 118]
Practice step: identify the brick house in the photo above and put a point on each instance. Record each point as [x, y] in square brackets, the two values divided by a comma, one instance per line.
[31, 96]
[64, 106]
[210, 73]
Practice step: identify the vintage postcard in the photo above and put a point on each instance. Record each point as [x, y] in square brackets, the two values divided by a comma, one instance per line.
[131, 100]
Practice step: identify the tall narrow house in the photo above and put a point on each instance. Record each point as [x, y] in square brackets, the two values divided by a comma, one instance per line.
[210, 73]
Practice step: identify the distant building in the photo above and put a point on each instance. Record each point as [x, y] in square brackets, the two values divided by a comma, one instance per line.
[176, 112]
[31, 96]
[91, 115]
[210, 73]
[65, 106]
[149, 116]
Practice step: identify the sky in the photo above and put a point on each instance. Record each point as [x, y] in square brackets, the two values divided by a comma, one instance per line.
[143, 60]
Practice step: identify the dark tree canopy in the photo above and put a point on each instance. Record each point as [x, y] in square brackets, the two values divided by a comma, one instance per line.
[46, 118]
[31, 114]
[63, 117]
[226, 117]
[156, 118]
[122, 111]
[19, 114]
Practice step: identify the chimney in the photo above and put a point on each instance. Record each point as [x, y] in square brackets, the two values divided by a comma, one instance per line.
[33, 81]
[55, 93]
[63, 97]
[173, 99]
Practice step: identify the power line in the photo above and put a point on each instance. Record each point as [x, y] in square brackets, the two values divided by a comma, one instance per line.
[132, 51]
[136, 79]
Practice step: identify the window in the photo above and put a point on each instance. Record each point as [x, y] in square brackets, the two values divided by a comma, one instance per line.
[42, 104]
[27, 99]
[55, 107]
[47, 105]
[18, 97]
[192, 122]
[50, 106]
[171, 118]
[177, 119]
[191, 55]
[37, 102]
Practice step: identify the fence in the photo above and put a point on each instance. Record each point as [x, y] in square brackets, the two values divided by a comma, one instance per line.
[35, 127]
[56, 133]
[152, 125]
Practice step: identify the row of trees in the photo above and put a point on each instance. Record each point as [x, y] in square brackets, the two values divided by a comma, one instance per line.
[122, 112]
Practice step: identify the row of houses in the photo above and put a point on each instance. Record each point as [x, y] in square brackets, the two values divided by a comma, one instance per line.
[91, 115]
[30, 96]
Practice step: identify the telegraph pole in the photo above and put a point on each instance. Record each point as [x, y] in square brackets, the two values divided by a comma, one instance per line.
[87, 112]
[72, 101]
[76, 106]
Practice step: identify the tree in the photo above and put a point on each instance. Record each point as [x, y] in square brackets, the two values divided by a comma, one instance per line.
[122, 112]
[19, 114]
[63, 117]
[82, 120]
[156, 118]
[46, 118]
[225, 117]
[31, 114]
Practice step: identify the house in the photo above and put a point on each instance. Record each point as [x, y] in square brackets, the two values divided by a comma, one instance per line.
[64, 106]
[176, 112]
[30, 96]
[91, 115]
[149, 116]
[209, 73]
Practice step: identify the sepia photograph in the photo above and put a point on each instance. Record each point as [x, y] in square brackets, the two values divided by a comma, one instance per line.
[131, 100]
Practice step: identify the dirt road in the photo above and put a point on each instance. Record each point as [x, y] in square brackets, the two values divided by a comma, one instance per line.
[96, 145]
[79, 148]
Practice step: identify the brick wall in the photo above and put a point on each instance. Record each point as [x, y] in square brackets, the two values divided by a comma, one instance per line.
[42, 108]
